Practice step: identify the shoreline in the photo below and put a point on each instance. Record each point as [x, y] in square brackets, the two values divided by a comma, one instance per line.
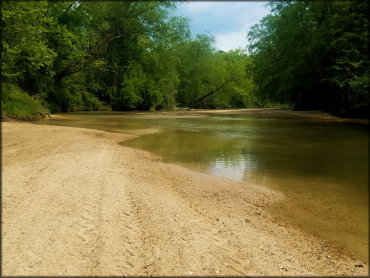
[312, 115]
[77, 203]
[285, 113]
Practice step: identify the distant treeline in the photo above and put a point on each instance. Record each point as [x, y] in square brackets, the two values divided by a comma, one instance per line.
[124, 55]
[314, 55]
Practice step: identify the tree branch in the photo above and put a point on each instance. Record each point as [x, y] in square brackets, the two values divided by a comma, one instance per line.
[210, 93]
[69, 70]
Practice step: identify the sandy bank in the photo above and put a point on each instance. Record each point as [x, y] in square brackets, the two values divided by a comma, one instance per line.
[284, 113]
[77, 203]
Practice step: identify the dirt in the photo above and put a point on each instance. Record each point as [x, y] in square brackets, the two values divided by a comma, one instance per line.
[74, 202]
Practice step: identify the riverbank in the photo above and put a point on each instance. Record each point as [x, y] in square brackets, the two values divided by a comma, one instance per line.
[77, 203]
[284, 113]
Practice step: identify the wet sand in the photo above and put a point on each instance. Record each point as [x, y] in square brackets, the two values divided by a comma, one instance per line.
[75, 202]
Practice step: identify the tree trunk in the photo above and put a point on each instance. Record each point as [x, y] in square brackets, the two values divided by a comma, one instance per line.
[210, 93]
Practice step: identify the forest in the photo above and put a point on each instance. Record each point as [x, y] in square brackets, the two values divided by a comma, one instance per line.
[66, 56]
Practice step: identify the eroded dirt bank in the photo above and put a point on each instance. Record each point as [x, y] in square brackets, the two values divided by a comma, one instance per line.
[77, 203]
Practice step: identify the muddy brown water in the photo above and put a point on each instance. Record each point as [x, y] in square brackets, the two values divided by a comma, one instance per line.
[321, 165]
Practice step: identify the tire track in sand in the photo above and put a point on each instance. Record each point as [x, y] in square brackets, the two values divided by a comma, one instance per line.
[111, 211]
[85, 228]
[108, 220]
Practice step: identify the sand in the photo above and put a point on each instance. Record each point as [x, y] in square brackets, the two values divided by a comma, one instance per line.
[283, 113]
[74, 202]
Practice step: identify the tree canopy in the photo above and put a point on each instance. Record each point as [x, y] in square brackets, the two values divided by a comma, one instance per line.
[314, 55]
[126, 55]
[119, 55]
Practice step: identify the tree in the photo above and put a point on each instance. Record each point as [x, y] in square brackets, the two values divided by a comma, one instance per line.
[314, 55]
[74, 56]
[26, 58]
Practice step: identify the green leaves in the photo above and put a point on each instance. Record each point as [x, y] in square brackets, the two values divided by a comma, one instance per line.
[24, 42]
[212, 79]
[77, 55]
[311, 54]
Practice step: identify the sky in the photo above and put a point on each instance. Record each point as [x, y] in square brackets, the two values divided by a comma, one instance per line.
[228, 21]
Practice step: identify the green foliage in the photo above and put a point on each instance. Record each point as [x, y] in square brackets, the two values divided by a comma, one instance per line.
[71, 97]
[221, 76]
[26, 58]
[240, 92]
[74, 56]
[17, 104]
[81, 55]
[314, 55]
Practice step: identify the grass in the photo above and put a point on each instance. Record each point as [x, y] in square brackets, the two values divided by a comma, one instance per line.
[17, 104]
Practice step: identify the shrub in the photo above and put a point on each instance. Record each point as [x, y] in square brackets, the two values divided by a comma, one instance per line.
[17, 104]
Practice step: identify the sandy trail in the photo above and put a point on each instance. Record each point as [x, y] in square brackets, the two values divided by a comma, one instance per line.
[74, 202]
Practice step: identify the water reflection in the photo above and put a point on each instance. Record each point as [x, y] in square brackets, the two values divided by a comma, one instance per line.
[321, 167]
[237, 168]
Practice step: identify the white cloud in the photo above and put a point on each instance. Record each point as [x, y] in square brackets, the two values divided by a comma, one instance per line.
[228, 22]
[231, 40]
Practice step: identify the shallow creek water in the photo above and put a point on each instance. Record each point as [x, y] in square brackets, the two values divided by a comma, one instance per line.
[320, 165]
